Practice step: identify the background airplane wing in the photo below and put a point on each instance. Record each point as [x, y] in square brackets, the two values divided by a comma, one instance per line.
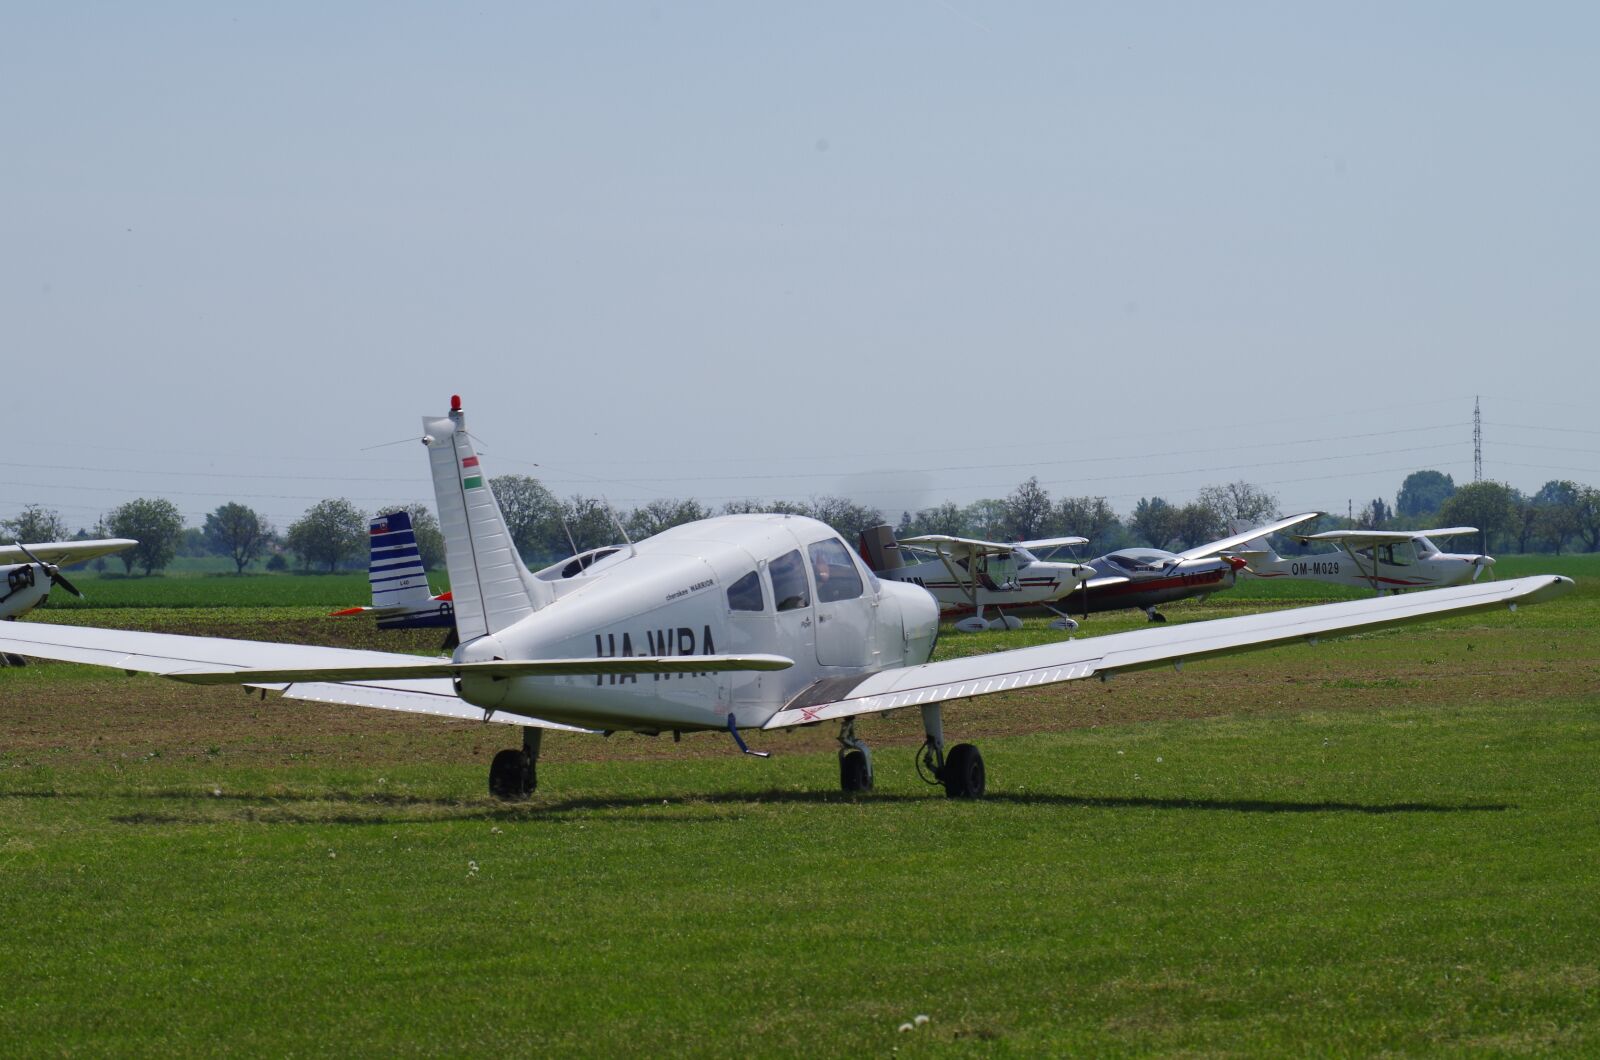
[63, 553]
[168, 653]
[1360, 537]
[1074, 660]
[1044, 543]
[957, 547]
[1202, 551]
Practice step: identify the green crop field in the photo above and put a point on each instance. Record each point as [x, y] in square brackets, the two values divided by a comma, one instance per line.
[1389, 843]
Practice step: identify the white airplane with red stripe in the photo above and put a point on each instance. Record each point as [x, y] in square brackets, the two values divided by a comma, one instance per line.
[1384, 560]
[967, 575]
[740, 623]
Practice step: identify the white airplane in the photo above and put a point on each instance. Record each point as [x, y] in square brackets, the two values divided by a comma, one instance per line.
[31, 571]
[1383, 560]
[967, 575]
[734, 623]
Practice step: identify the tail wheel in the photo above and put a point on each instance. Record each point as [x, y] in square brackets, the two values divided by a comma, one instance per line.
[854, 776]
[963, 772]
[509, 775]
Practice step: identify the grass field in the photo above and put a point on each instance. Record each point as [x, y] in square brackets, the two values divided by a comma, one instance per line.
[1388, 843]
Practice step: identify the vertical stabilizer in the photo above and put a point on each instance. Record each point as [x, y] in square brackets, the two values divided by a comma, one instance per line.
[395, 570]
[880, 549]
[491, 587]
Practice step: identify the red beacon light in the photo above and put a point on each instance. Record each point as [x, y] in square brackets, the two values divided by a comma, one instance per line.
[455, 402]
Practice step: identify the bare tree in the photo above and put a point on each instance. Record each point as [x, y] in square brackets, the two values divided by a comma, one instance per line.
[35, 525]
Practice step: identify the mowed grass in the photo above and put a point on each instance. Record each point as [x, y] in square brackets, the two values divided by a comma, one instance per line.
[1388, 843]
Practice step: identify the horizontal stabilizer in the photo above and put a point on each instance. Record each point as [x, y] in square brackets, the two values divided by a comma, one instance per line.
[406, 671]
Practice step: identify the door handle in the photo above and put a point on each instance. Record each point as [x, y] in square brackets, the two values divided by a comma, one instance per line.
[821, 619]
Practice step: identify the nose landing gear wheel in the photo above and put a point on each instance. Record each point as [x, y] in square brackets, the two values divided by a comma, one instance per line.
[963, 772]
[854, 773]
[510, 775]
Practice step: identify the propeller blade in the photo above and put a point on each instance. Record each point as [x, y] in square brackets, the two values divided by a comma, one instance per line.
[61, 580]
[26, 551]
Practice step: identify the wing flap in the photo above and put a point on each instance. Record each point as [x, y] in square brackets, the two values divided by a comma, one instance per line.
[422, 668]
[435, 696]
[1140, 649]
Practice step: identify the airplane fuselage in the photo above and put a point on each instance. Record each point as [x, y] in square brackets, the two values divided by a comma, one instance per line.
[1412, 571]
[781, 585]
[23, 587]
[1025, 587]
[1154, 578]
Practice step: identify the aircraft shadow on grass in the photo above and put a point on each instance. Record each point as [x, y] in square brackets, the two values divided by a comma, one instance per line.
[278, 809]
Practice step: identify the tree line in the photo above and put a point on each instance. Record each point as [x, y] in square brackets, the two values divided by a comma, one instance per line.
[332, 533]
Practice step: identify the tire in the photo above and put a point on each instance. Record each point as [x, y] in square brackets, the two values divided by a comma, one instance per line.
[508, 777]
[963, 774]
[853, 773]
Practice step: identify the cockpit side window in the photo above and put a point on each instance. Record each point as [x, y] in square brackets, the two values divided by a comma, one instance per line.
[789, 586]
[836, 575]
[745, 594]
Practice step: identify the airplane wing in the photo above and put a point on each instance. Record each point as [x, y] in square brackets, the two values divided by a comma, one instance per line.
[384, 680]
[1046, 543]
[1382, 537]
[63, 553]
[958, 547]
[1202, 551]
[1074, 660]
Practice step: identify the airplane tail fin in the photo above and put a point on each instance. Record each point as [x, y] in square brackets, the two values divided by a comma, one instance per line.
[1255, 553]
[880, 549]
[395, 570]
[491, 587]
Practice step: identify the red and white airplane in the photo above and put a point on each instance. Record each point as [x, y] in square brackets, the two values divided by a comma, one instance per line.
[735, 623]
[967, 575]
[1384, 560]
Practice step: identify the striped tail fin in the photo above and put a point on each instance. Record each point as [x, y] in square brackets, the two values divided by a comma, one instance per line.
[491, 587]
[395, 570]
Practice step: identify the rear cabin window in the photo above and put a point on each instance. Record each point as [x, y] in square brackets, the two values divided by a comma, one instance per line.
[745, 594]
[789, 586]
[836, 575]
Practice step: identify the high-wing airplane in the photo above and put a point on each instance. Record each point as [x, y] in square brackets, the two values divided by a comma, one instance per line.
[1146, 578]
[967, 575]
[401, 595]
[1384, 560]
[734, 623]
[31, 571]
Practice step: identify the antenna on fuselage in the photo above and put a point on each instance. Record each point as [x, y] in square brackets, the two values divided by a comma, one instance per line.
[618, 524]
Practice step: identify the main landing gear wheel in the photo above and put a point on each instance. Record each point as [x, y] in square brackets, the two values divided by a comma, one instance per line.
[855, 760]
[513, 774]
[963, 772]
[854, 774]
[1156, 616]
[508, 775]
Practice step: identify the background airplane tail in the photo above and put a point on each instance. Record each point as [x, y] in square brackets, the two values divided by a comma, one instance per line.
[395, 570]
[491, 587]
[879, 547]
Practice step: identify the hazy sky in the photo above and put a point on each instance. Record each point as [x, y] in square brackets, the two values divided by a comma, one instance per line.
[913, 250]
